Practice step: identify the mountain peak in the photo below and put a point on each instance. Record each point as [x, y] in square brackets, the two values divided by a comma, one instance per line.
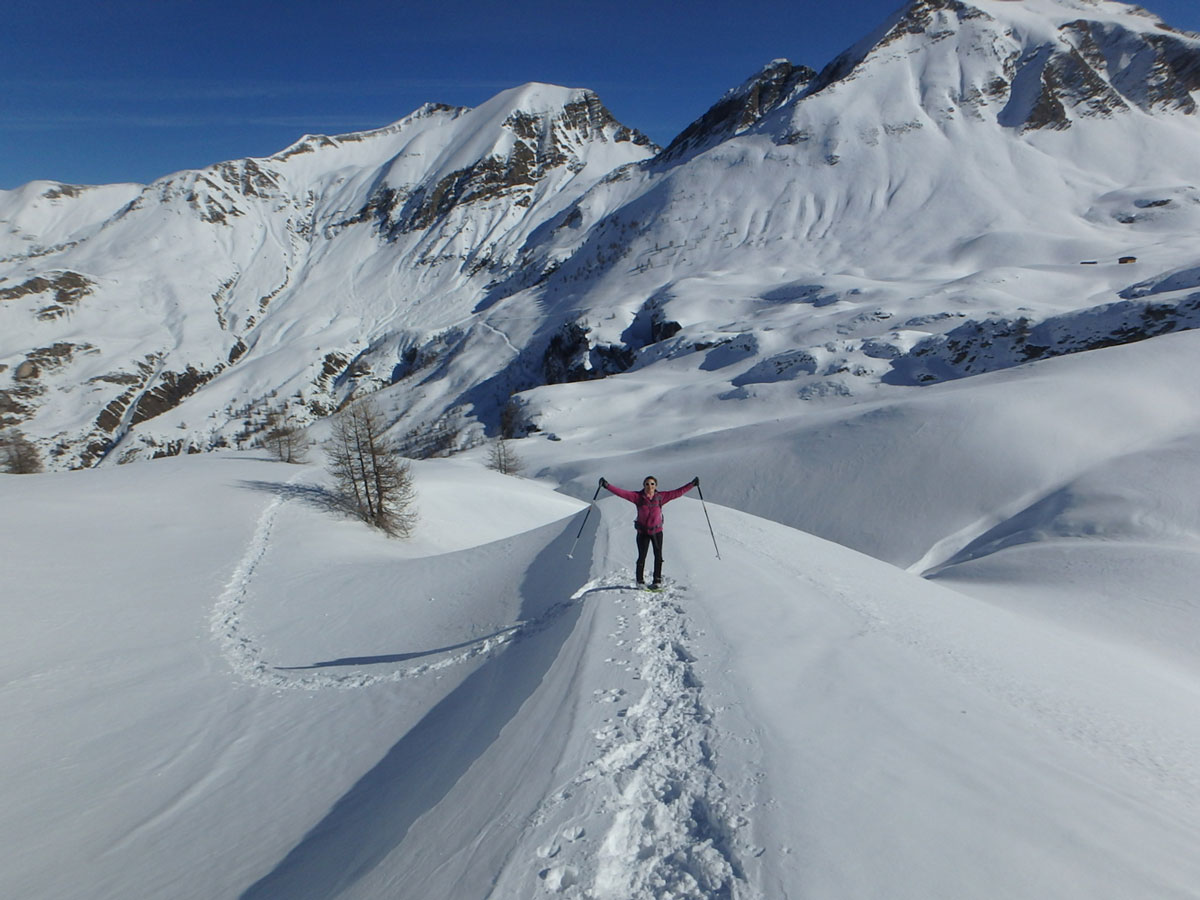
[770, 88]
[526, 142]
[537, 96]
[1049, 63]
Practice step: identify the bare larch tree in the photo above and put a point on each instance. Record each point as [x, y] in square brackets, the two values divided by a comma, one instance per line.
[284, 439]
[372, 477]
[503, 458]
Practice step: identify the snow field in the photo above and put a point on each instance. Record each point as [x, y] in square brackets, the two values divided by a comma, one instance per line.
[203, 660]
[444, 536]
[918, 742]
[137, 747]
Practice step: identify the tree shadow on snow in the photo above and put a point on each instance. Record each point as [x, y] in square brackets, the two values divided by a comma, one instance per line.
[314, 495]
[373, 818]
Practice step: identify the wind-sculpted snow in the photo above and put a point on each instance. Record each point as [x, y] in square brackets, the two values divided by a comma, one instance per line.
[247, 657]
[651, 814]
[475, 713]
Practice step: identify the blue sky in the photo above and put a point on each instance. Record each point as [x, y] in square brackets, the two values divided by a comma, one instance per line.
[129, 90]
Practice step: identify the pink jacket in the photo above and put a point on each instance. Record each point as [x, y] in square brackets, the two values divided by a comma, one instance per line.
[649, 510]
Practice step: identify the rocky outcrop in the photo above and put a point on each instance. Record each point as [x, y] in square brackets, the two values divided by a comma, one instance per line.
[921, 18]
[1100, 69]
[571, 355]
[172, 389]
[1095, 68]
[984, 346]
[66, 289]
[217, 194]
[541, 142]
[1149, 71]
[1104, 70]
[775, 85]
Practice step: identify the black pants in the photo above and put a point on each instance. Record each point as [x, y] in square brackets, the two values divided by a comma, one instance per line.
[645, 542]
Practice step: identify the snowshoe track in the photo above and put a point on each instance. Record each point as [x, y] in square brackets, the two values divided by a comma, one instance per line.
[247, 658]
[664, 813]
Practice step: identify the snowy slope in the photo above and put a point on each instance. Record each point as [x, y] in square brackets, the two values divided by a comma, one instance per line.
[903, 189]
[208, 664]
[203, 661]
[279, 282]
[966, 173]
[137, 714]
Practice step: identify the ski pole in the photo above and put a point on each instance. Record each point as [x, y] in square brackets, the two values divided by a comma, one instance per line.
[707, 519]
[571, 553]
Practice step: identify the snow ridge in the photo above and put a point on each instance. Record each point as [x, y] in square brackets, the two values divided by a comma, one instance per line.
[248, 659]
[670, 830]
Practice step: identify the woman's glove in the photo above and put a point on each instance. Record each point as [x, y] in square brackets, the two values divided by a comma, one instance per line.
[696, 481]
[603, 483]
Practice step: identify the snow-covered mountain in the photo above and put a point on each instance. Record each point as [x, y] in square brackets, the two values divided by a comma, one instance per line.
[966, 175]
[915, 182]
[261, 279]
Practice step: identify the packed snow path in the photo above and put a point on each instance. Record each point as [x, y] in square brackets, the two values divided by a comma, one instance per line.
[632, 763]
[660, 813]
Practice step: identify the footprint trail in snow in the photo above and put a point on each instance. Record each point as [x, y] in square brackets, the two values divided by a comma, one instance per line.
[651, 816]
[248, 659]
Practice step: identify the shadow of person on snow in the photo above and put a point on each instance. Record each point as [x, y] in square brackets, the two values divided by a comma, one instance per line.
[372, 819]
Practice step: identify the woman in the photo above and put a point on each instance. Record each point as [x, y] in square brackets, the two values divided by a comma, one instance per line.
[649, 522]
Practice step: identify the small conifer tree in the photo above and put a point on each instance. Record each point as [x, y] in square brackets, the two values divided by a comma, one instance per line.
[503, 459]
[371, 476]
